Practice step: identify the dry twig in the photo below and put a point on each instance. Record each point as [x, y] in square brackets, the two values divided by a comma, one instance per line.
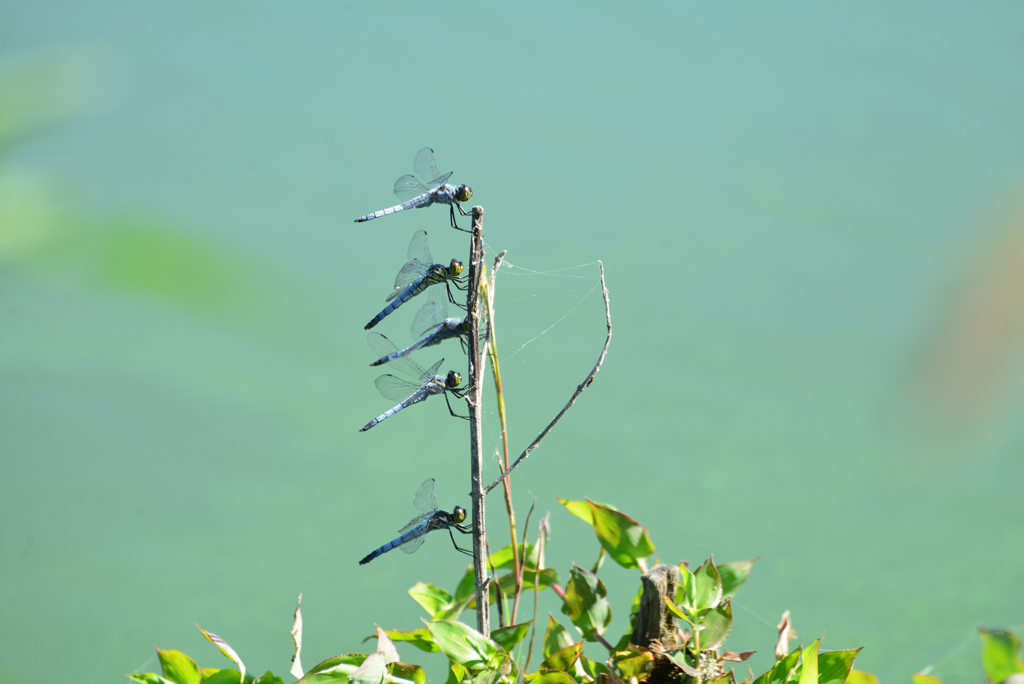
[572, 400]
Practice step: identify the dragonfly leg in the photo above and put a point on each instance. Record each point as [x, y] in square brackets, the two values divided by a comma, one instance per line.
[457, 547]
[451, 209]
[452, 298]
[446, 400]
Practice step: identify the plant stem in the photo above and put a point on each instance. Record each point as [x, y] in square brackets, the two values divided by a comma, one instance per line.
[492, 349]
[473, 398]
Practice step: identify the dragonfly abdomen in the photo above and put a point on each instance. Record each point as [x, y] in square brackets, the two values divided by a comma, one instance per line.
[421, 395]
[425, 342]
[406, 294]
[423, 200]
[394, 543]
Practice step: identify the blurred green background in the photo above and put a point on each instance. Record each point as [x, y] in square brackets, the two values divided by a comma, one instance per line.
[812, 221]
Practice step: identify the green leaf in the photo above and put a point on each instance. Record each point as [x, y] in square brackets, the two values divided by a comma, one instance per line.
[918, 678]
[734, 575]
[455, 673]
[1000, 655]
[581, 509]
[467, 586]
[413, 673]
[686, 588]
[508, 637]
[147, 678]
[420, 638]
[707, 586]
[337, 667]
[809, 664]
[544, 579]
[585, 603]
[228, 675]
[455, 609]
[634, 607]
[502, 558]
[592, 668]
[859, 677]
[834, 666]
[727, 678]
[632, 662]
[432, 598]
[563, 659]
[178, 667]
[463, 644]
[625, 539]
[268, 677]
[682, 661]
[550, 677]
[224, 648]
[717, 624]
[555, 637]
[782, 670]
[679, 612]
[501, 667]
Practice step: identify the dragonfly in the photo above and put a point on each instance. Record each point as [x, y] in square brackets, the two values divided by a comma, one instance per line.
[430, 326]
[408, 393]
[430, 188]
[419, 273]
[411, 537]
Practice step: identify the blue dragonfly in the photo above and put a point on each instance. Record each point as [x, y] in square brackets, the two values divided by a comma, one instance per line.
[430, 326]
[419, 273]
[430, 188]
[411, 537]
[408, 393]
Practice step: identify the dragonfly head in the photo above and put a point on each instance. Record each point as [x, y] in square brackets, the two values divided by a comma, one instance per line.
[455, 268]
[463, 193]
[453, 379]
[459, 514]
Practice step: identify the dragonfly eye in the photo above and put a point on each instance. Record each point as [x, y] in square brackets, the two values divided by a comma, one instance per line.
[455, 268]
[464, 193]
[459, 514]
[454, 379]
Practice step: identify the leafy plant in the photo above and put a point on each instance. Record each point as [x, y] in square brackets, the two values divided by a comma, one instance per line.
[693, 615]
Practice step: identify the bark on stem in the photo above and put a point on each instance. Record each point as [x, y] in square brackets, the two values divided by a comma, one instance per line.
[473, 398]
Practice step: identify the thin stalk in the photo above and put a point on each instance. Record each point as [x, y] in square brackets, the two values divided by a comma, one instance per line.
[499, 600]
[473, 399]
[492, 350]
[541, 537]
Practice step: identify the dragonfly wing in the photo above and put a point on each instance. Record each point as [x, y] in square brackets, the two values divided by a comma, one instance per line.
[440, 180]
[382, 347]
[431, 372]
[412, 271]
[416, 522]
[430, 314]
[424, 499]
[418, 249]
[395, 389]
[423, 166]
[413, 544]
[408, 186]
